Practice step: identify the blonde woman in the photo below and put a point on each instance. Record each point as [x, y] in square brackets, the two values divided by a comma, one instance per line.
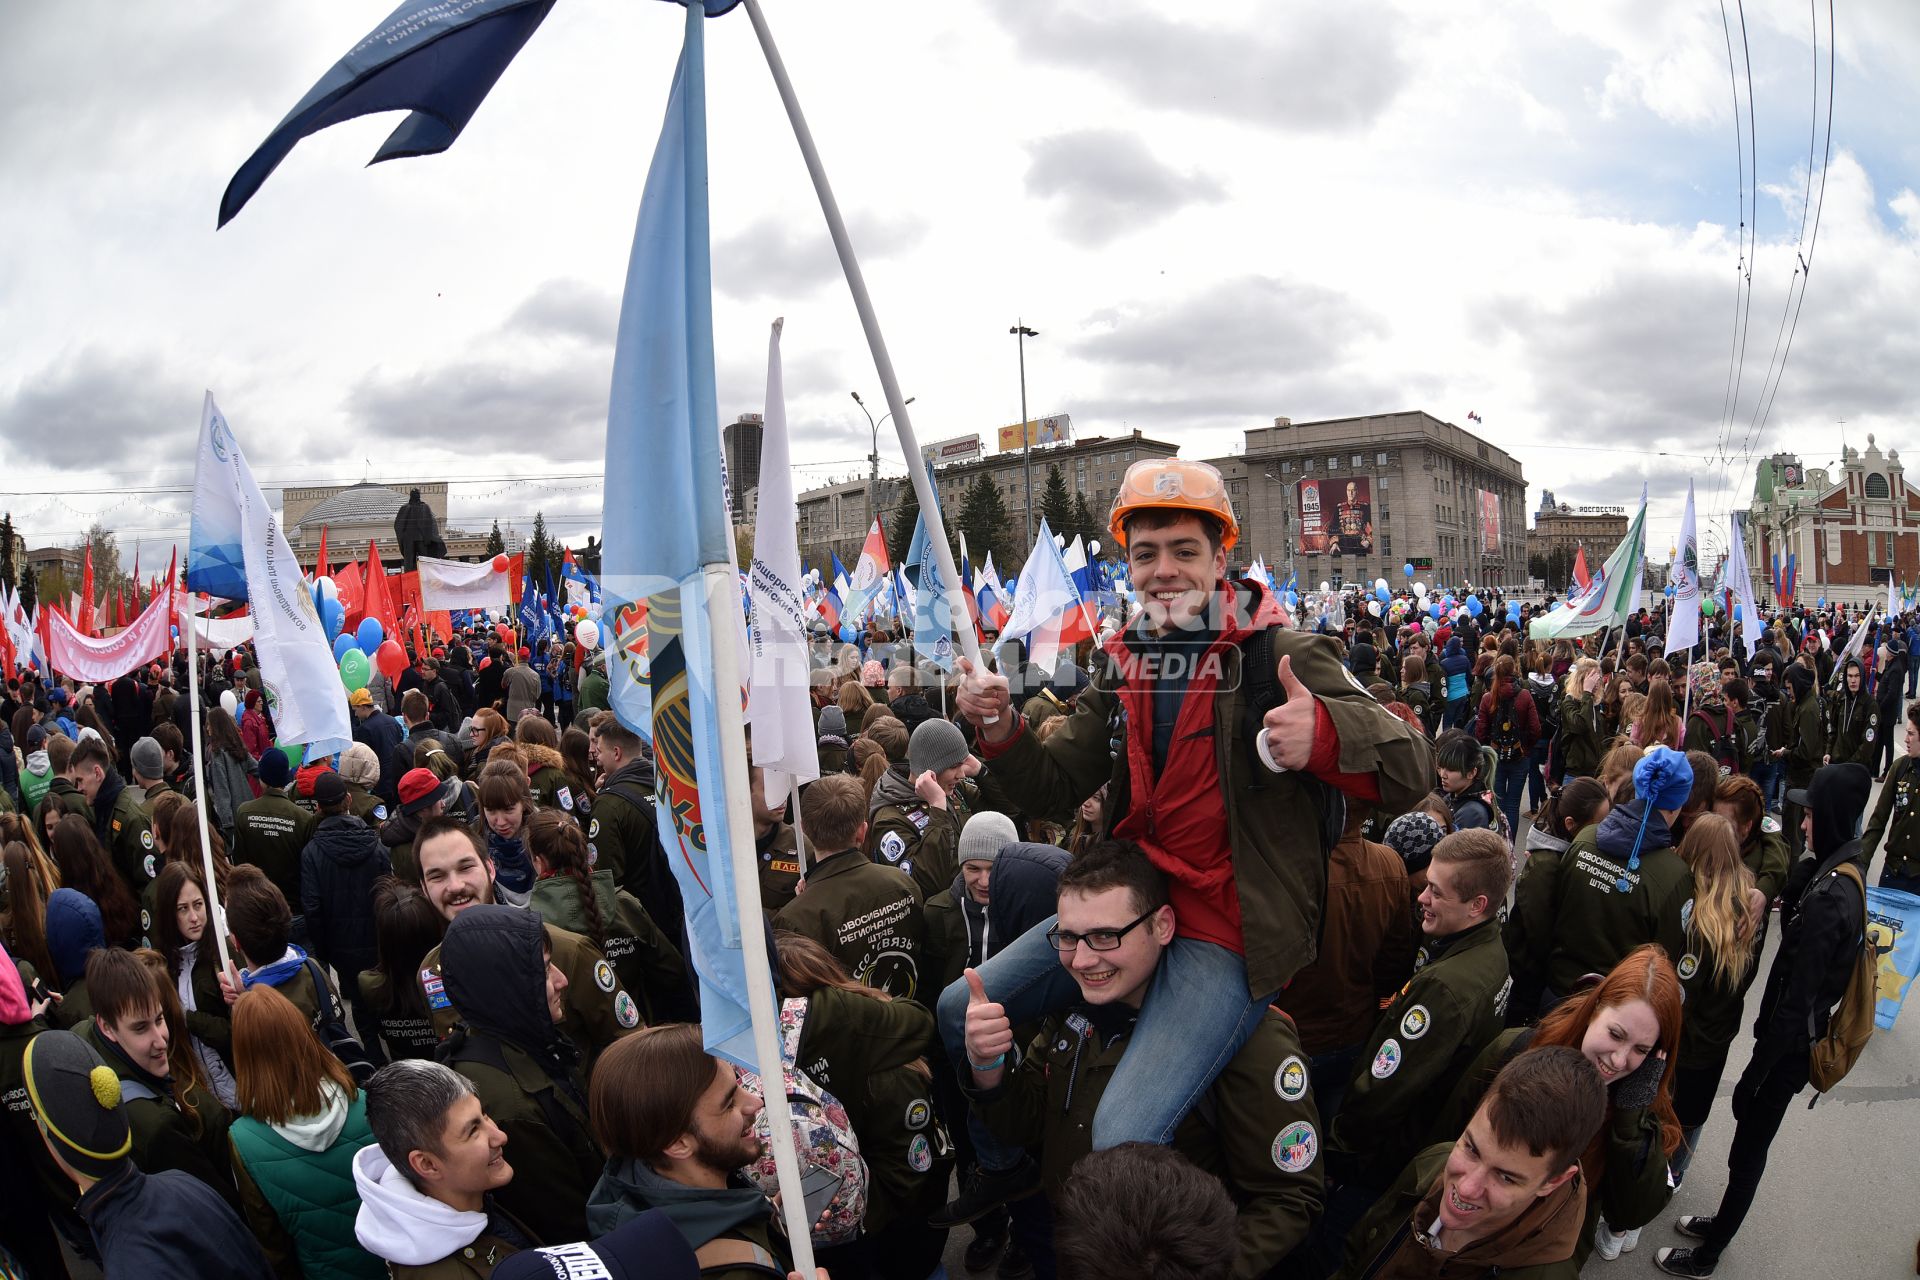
[1715, 970]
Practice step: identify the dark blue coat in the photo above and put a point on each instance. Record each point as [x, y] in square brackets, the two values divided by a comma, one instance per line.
[383, 733]
[169, 1226]
[337, 870]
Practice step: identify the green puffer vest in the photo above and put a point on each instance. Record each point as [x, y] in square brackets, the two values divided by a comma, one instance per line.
[312, 1192]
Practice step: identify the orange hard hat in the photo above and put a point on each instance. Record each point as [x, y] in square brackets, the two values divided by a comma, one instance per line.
[1172, 484]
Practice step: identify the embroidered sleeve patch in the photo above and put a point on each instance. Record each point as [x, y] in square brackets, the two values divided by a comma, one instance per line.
[1295, 1147]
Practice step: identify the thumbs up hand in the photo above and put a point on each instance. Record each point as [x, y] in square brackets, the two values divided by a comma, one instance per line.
[989, 1035]
[1289, 726]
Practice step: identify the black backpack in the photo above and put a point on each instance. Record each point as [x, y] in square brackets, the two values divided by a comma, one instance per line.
[1506, 729]
[330, 1024]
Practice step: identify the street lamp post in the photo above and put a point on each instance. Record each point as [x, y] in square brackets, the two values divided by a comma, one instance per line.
[1021, 333]
[873, 458]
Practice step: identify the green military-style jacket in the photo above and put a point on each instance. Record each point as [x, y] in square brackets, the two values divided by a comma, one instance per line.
[917, 838]
[599, 1010]
[1896, 818]
[779, 861]
[1853, 728]
[555, 1163]
[270, 833]
[1445, 1014]
[1256, 1128]
[1273, 820]
[366, 806]
[869, 917]
[1596, 923]
[130, 842]
[1580, 744]
[164, 1135]
[1806, 740]
[645, 962]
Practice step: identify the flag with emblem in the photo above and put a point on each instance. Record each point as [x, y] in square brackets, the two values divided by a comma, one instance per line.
[1683, 618]
[236, 549]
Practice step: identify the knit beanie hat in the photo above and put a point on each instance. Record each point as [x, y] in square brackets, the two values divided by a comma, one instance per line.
[148, 760]
[76, 1098]
[275, 769]
[73, 932]
[935, 745]
[833, 722]
[1412, 836]
[985, 835]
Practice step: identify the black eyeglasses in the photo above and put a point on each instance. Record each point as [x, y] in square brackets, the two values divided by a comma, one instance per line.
[1096, 939]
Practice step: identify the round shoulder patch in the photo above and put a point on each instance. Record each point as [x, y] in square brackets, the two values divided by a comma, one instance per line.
[625, 1012]
[1295, 1147]
[893, 846]
[919, 1154]
[147, 864]
[918, 1114]
[1290, 1081]
[1387, 1061]
[593, 828]
[603, 976]
[593, 854]
[1770, 825]
[146, 841]
[1688, 966]
[146, 920]
[1415, 1024]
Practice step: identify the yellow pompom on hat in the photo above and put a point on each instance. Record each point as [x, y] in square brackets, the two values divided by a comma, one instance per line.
[76, 1099]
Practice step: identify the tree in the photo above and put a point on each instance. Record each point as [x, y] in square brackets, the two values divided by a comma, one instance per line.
[900, 535]
[29, 588]
[1085, 525]
[983, 518]
[1056, 505]
[8, 571]
[539, 553]
[495, 543]
[108, 576]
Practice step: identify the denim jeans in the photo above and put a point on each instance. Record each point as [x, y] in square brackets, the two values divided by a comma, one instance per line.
[1509, 782]
[1197, 1015]
[1771, 779]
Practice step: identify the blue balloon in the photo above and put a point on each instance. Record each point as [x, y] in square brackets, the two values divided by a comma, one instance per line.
[1736, 613]
[1381, 594]
[370, 634]
[1821, 603]
[1474, 607]
[333, 616]
[1407, 568]
[1433, 610]
[343, 644]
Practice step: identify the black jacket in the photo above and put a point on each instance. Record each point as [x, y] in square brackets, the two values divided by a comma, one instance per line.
[337, 870]
[165, 1225]
[382, 732]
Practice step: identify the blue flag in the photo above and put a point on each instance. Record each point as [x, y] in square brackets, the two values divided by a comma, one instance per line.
[932, 616]
[663, 440]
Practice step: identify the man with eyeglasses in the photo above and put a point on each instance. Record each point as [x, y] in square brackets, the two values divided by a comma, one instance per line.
[1229, 745]
[1255, 1126]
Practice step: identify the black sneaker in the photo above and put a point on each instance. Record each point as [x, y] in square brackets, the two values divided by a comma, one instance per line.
[989, 1240]
[1683, 1262]
[1015, 1265]
[984, 1192]
[1694, 1226]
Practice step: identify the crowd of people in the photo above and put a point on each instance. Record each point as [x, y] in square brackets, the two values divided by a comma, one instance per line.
[1228, 947]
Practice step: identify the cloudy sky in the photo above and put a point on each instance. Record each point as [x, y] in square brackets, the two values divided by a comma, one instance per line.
[1213, 215]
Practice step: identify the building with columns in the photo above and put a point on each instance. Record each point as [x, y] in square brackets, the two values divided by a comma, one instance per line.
[1850, 532]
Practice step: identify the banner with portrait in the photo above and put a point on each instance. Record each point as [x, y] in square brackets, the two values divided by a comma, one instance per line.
[1335, 516]
[1489, 521]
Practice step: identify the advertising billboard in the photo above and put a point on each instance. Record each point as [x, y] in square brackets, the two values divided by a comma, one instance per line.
[1336, 516]
[1054, 429]
[1489, 521]
[958, 449]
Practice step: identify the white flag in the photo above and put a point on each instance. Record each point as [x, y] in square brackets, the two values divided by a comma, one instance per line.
[1044, 594]
[1683, 619]
[237, 550]
[1740, 580]
[778, 715]
[454, 584]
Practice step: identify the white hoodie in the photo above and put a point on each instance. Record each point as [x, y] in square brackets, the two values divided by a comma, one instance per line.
[401, 1223]
[317, 1132]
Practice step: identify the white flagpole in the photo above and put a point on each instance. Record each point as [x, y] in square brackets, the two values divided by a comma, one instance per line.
[216, 921]
[799, 831]
[721, 586]
[883, 363]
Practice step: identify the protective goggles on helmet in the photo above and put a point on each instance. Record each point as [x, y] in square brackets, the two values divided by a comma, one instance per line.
[1171, 484]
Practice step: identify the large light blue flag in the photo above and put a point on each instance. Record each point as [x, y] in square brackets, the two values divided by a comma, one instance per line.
[666, 519]
[932, 615]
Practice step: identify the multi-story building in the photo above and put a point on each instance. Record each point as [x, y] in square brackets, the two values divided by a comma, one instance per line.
[1565, 527]
[741, 440]
[354, 515]
[834, 518]
[1353, 499]
[1848, 534]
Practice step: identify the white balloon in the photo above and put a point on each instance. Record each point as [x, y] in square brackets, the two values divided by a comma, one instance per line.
[1059, 540]
[587, 632]
[1325, 587]
[1373, 607]
[1420, 589]
[595, 609]
[1380, 584]
[227, 701]
[1093, 548]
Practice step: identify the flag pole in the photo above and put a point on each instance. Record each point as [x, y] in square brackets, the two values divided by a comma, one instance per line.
[799, 831]
[215, 920]
[870, 323]
[720, 586]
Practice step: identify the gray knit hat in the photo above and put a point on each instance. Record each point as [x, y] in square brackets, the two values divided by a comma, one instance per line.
[76, 1098]
[833, 722]
[935, 745]
[985, 835]
[148, 760]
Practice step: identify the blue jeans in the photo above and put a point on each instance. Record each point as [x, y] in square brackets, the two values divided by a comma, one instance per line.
[1509, 781]
[1771, 779]
[1196, 1016]
[1537, 773]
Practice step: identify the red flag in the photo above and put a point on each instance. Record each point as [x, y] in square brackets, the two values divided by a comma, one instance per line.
[347, 581]
[320, 569]
[134, 582]
[379, 596]
[85, 621]
[1580, 574]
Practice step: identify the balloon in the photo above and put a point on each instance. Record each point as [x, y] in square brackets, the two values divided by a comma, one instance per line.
[333, 617]
[500, 563]
[593, 610]
[505, 633]
[295, 752]
[1706, 607]
[370, 634]
[1324, 588]
[1737, 612]
[355, 670]
[1407, 568]
[1420, 589]
[391, 659]
[1474, 607]
[1379, 584]
[227, 701]
[484, 664]
[344, 644]
[327, 589]
[587, 633]
[1093, 548]
[1433, 611]
[1373, 607]
[1458, 614]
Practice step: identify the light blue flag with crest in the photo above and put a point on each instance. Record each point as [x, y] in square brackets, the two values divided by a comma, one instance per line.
[663, 442]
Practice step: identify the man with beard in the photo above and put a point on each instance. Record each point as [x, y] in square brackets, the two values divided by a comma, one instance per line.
[457, 876]
[677, 1127]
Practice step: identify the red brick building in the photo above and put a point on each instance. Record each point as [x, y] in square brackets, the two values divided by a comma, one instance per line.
[1849, 533]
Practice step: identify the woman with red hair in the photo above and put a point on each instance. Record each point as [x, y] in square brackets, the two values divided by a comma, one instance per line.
[1628, 1025]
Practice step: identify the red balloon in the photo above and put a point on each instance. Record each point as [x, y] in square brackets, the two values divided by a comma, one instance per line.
[504, 631]
[484, 664]
[391, 659]
[500, 563]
